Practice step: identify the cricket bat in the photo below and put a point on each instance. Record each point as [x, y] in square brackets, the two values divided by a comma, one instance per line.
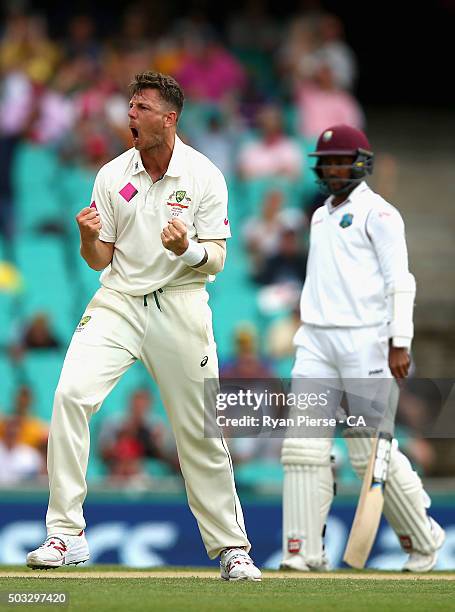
[370, 505]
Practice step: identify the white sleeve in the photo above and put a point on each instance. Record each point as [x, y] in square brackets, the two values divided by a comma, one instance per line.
[101, 200]
[211, 218]
[385, 228]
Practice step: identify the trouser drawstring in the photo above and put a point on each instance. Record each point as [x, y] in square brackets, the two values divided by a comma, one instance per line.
[157, 302]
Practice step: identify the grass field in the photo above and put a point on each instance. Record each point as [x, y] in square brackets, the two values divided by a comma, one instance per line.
[114, 588]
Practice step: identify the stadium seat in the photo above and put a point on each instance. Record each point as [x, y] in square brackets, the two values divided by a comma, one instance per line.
[259, 475]
[37, 186]
[48, 286]
[7, 319]
[76, 186]
[41, 370]
[7, 383]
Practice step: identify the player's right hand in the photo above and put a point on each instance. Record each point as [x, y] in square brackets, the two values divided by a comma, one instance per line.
[89, 223]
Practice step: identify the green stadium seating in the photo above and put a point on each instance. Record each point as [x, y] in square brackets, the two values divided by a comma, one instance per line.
[7, 383]
[37, 186]
[41, 370]
[48, 286]
[7, 311]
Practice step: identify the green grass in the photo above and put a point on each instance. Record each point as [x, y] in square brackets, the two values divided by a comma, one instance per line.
[204, 594]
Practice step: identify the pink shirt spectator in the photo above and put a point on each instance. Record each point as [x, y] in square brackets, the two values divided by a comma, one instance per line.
[281, 156]
[211, 76]
[319, 108]
[16, 102]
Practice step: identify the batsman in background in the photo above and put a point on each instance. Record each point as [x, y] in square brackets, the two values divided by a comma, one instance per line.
[157, 226]
[356, 310]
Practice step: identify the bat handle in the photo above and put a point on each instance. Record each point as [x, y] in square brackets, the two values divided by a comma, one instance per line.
[382, 459]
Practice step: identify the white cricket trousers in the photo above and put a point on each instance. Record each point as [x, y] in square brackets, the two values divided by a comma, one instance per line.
[170, 331]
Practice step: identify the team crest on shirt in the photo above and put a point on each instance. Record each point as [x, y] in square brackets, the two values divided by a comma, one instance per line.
[346, 220]
[178, 201]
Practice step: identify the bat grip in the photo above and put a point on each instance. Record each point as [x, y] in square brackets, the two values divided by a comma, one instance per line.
[382, 459]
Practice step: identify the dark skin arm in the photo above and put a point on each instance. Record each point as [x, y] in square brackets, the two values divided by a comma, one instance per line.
[399, 361]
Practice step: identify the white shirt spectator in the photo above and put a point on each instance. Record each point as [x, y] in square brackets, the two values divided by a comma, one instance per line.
[260, 159]
[19, 463]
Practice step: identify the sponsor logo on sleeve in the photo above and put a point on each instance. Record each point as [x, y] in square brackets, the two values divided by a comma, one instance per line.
[83, 322]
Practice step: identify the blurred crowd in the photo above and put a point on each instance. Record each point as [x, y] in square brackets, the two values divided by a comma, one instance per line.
[70, 92]
[258, 93]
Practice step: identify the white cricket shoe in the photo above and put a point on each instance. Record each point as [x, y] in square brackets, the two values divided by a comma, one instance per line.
[236, 564]
[58, 550]
[297, 563]
[418, 562]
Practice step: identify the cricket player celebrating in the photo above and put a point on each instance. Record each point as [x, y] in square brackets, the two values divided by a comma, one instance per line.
[356, 310]
[157, 227]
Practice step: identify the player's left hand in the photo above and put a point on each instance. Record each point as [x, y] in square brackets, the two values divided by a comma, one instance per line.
[399, 362]
[174, 237]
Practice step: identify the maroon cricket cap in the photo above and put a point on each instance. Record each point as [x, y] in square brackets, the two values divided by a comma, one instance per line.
[341, 140]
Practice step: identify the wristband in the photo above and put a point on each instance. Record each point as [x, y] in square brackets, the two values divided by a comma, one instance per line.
[194, 254]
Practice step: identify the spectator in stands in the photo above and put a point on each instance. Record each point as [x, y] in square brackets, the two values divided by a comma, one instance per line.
[286, 266]
[262, 233]
[217, 142]
[18, 462]
[15, 109]
[280, 335]
[81, 38]
[125, 459]
[334, 51]
[321, 103]
[32, 431]
[299, 42]
[124, 445]
[273, 153]
[37, 334]
[25, 46]
[209, 72]
[253, 17]
[247, 361]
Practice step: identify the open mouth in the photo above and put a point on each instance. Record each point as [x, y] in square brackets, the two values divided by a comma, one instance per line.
[135, 133]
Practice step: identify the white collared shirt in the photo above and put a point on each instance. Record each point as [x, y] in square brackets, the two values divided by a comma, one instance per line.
[134, 211]
[357, 251]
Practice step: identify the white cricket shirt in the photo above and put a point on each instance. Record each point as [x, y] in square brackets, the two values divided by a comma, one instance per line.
[357, 249]
[134, 211]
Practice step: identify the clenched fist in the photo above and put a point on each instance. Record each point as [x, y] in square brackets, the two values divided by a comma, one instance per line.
[174, 237]
[89, 223]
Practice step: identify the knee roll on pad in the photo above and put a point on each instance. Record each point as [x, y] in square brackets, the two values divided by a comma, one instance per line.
[306, 451]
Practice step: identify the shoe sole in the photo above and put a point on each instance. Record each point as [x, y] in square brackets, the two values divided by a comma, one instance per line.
[42, 566]
[241, 578]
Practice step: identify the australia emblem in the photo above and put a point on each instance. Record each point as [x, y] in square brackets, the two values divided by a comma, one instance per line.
[178, 201]
[179, 195]
[346, 220]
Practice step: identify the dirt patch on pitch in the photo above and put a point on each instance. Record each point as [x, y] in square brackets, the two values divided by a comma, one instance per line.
[50, 574]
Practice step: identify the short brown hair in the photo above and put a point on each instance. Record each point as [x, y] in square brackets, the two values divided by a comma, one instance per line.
[169, 89]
